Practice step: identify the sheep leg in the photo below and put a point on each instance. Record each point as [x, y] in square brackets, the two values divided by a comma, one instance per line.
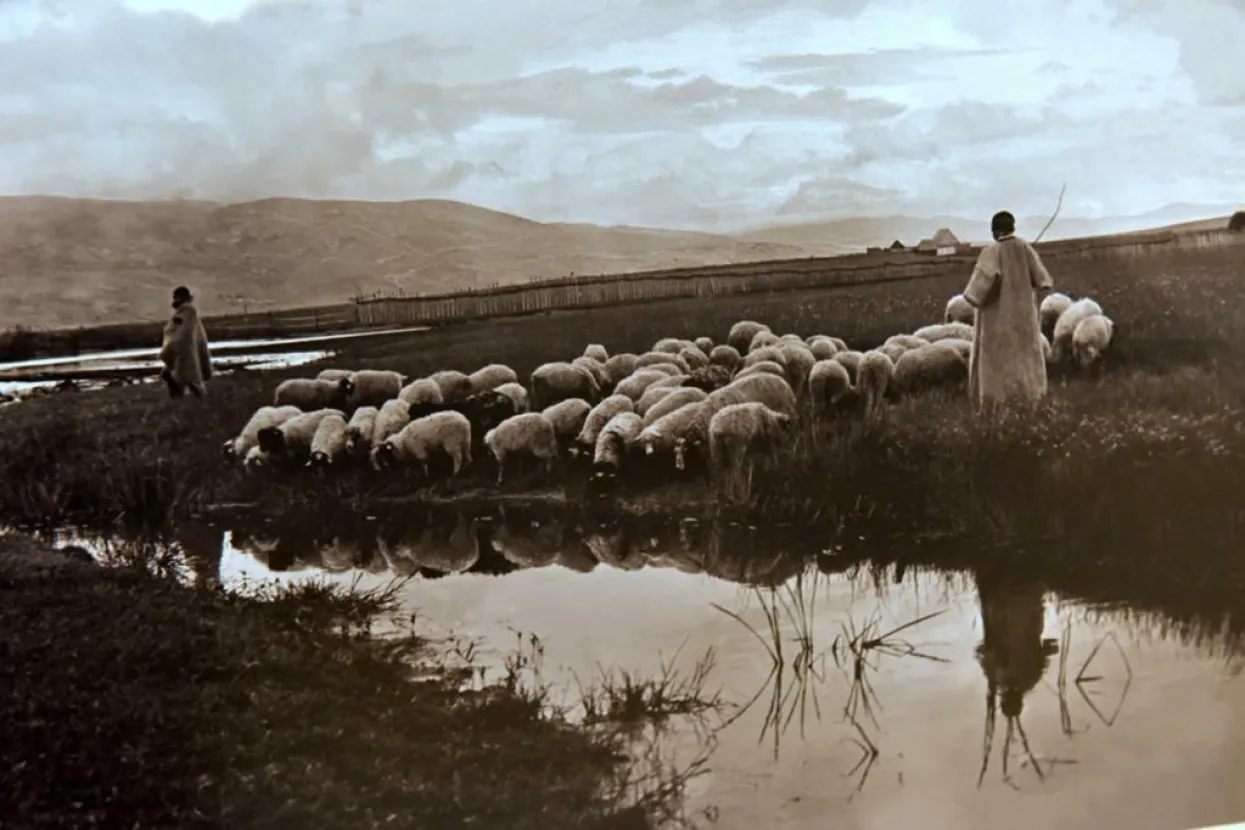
[501, 467]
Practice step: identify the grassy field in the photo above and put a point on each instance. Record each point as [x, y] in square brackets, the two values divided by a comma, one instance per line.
[135, 701]
[1156, 441]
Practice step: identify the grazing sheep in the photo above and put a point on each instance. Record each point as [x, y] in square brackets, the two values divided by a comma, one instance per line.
[1066, 325]
[708, 378]
[839, 343]
[850, 360]
[705, 344]
[792, 338]
[694, 358]
[597, 370]
[568, 418]
[598, 417]
[310, 394]
[1091, 339]
[944, 331]
[614, 443]
[1046, 350]
[675, 399]
[964, 347]
[421, 391]
[633, 386]
[334, 374]
[959, 311]
[256, 459]
[874, 380]
[529, 433]
[291, 439]
[892, 350]
[554, 382]
[764, 388]
[822, 347]
[491, 376]
[359, 430]
[937, 364]
[798, 362]
[739, 430]
[441, 432]
[651, 396]
[761, 340]
[741, 334]
[670, 345]
[328, 444]
[908, 341]
[829, 385]
[390, 420]
[650, 359]
[618, 367]
[772, 353]
[1053, 305]
[266, 416]
[670, 382]
[673, 432]
[669, 369]
[517, 395]
[597, 352]
[372, 387]
[725, 356]
[762, 367]
[454, 385]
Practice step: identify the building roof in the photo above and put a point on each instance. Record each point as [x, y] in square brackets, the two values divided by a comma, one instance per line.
[944, 238]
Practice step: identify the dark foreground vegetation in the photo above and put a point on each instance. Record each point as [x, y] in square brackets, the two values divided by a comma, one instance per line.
[132, 700]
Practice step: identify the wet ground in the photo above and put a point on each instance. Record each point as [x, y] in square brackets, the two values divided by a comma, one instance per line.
[1107, 716]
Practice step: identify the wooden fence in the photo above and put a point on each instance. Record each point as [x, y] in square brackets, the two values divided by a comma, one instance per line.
[775, 275]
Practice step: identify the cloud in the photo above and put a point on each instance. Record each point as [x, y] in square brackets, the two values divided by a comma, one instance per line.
[707, 115]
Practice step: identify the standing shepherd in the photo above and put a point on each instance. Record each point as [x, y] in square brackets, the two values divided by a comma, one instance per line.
[184, 352]
[1007, 364]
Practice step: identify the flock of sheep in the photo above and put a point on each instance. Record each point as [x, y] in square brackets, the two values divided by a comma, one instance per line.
[722, 402]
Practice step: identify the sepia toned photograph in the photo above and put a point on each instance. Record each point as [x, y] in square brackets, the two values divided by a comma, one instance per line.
[622, 415]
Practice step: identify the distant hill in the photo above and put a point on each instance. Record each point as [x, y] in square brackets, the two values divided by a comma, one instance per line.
[70, 262]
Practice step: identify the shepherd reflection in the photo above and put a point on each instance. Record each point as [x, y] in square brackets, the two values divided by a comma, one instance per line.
[1012, 655]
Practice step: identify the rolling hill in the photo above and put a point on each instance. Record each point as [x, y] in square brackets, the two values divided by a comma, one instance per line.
[70, 262]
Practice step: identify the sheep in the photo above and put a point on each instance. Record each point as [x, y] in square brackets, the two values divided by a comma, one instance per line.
[328, 444]
[334, 374]
[256, 459]
[1066, 325]
[959, 311]
[668, 369]
[725, 356]
[598, 417]
[829, 385]
[761, 340]
[310, 395]
[705, 344]
[874, 377]
[553, 382]
[739, 429]
[670, 345]
[694, 358]
[1046, 350]
[648, 359]
[618, 367]
[667, 382]
[772, 353]
[633, 386]
[491, 376]
[964, 347]
[768, 389]
[937, 364]
[675, 399]
[798, 361]
[822, 347]
[454, 385]
[1052, 306]
[517, 395]
[266, 416]
[528, 433]
[421, 392]
[742, 332]
[651, 396]
[708, 378]
[390, 419]
[892, 350]
[446, 432]
[372, 387]
[850, 360]
[944, 331]
[568, 418]
[762, 367]
[672, 432]
[614, 442]
[359, 430]
[792, 338]
[592, 367]
[908, 341]
[291, 439]
[1091, 339]
[597, 352]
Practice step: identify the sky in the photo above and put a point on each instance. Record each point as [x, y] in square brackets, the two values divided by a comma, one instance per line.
[706, 114]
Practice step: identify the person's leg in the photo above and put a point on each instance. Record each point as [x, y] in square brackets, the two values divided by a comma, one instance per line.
[175, 388]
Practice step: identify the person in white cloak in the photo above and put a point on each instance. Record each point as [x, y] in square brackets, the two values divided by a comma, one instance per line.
[184, 350]
[1006, 364]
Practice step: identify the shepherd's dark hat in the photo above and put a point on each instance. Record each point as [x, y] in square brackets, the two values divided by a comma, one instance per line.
[181, 292]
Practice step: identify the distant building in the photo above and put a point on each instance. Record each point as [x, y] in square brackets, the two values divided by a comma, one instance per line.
[898, 246]
[942, 243]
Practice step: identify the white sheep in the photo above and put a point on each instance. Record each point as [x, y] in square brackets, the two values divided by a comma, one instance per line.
[874, 377]
[959, 311]
[944, 331]
[291, 439]
[1065, 326]
[257, 459]
[633, 386]
[705, 344]
[421, 391]
[266, 416]
[334, 374]
[964, 347]
[491, 376]
[694, 358]
[372, 387]
[822, 347]
[598, 417]
[850, 360]
[651, 396]
[568, 417]
[1046, 350]
[798, 361]
[454, 385]
[677, 397]
[829, 385]
[761, 340]
[597, 352]
[310, 394]
[391, 419]
[618, 367]
[691, 432]
[908, 341]
[725, 356]
[668, 369]
[791, 338]
[650, 359]
[615, 441]
[1091, 339]
[517, 395]
[553, 382]
[441, 432]
[739, 430]
[597, 370]
[1053, 305]
[529, 433]
[328, 443]
[892, 350]
[742, 332]
[673, 432]
[670, 345]
[359, 430]
[937, 364]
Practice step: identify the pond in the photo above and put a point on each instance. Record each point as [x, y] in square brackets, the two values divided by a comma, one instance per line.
[1132, 711]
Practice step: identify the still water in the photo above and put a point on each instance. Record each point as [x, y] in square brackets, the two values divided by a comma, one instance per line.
[1152, 736]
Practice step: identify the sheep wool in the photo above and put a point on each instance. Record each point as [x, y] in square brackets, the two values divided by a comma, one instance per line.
[1091, 339]
[874, 380]
[420, 391]
[390, 419]
[529, 433]
[959, 310]
[1065, 326]
[334, 374]
[1053, 305]
[372, 387]
[454, 385]
[822, 347]
[592, 367]
[935, 365]
[762, 367]
[568, 417]
[359, 429]
[651, 396]
[597, 352]
[739, 429]
[554, 382]
[634, 385]
[328, 443]
[761, 340]
[310, 394]
[705, 344]
[615, 439]
[599, 416]
[619, 366]
[741, 334]
[694, 358]
[415, 444]
[829, 385]
[670, 345]
[850, 360]
[517, 395]
[674, 432]
[248, 437]
[798, 361]
[675, 399]
[292, 438]
[944, 331]
[492, 376]
[725, 356]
